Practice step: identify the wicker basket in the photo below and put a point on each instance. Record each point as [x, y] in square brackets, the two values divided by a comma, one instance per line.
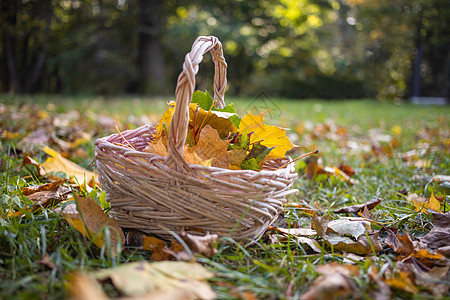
[152, 193]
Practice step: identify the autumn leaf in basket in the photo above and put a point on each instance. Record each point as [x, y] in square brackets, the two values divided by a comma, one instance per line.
[203, 113]
[210, 149]
[219, 138]
[270, 136]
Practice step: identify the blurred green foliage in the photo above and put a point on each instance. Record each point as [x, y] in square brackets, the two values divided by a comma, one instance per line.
[290, 48]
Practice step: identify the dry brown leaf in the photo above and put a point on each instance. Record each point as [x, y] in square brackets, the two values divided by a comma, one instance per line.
[424, 253]
[358, 207]
[47, 262]
[70, 208]
[346, 169]
[46, 195]
[192, 158]
[209, 146]
[348, 270]
[333, 284]
[313, 169]
[296, 231]
[435, 280]
[90, 221]
[52, 186]
[337, 234]
[30, 161]
[439, 236]
[204, 245]
[401, 244]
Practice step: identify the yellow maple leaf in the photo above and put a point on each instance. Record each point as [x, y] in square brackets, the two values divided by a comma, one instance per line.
[269, 135]
[209, 146]
[432, 204]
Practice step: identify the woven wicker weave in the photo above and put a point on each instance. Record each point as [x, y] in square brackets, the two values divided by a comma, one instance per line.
[151, 193]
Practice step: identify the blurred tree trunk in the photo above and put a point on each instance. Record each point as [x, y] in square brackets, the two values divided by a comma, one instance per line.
[9, 10]
[151, 58]
[25, 43]
[39, 56]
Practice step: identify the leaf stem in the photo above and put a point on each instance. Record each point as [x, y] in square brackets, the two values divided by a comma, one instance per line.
[298, 158]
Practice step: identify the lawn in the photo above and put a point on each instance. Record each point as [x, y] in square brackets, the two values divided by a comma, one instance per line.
[387, 151]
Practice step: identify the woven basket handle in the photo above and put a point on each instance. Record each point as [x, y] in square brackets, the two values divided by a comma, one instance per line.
[184, 91]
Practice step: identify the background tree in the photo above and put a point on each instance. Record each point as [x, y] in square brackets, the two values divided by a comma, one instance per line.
[292, 48]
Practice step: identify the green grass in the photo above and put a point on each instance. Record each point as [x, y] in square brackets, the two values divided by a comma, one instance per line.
[268, 271]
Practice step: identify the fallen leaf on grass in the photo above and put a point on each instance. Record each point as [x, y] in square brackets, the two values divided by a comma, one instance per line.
[358, 207]
[401, 244]
[57, 163]
[30, 161]
[90, 220]
[403, 282]
[313, 169]
[43, 187]
[346, 169]
[439, 235]
[295, 231]
[160, 280]
[435, 280]
[382, 291]
[299, 234]
[311, 243]
[157, 246]
[45, 195]
[334, 283]
[431, 276]
[47, 262]
[82, 286]
[203, 245]
[347, 234]
[420, 204]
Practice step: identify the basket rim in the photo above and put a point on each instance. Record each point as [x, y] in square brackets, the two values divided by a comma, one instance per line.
[105, 139]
